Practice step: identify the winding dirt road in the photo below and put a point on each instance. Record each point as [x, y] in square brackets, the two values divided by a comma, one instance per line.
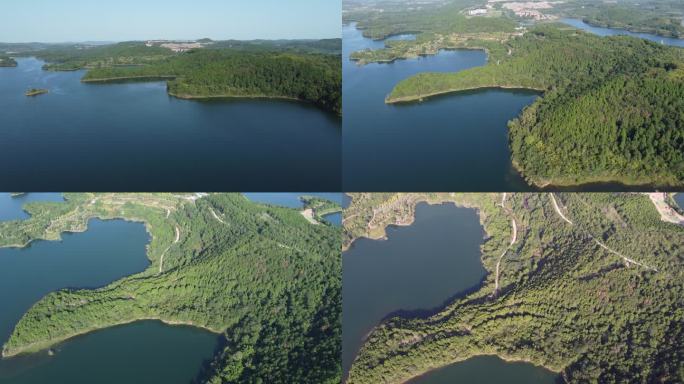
[216, 216]
[555, 206]
[514, 238]
[626, 259]
[161, 259]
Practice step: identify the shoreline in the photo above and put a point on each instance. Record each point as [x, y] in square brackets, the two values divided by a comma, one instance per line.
[123, 79]
[506, 358]
[126, 78]
[552, 185]
[43, 345]
[420, 98]
[362, 62]
[627, 28]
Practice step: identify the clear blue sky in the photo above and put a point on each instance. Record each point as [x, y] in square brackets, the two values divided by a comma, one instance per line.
[120, 20]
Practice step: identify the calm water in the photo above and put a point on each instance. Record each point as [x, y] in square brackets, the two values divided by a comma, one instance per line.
[114, 136]
[146, 352]
[292, 200]
[419, 267]
[577, 23]
[12, 208]
[142, 352]
[107, 251]
[452, 142]
[487, 370]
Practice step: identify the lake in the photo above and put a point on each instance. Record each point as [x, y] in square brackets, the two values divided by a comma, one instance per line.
[419, 267]
[451, 142]
[12, 207]
[487, 370]
[107, 251]
[601, 31]
[141, 352]
[292, 200]
[110, 137]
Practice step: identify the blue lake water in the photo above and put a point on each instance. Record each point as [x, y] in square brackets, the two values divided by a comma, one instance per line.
[146, 352]
[453, 142]
[107, 251]
[112, 137]
[601, 31]
[418, 267]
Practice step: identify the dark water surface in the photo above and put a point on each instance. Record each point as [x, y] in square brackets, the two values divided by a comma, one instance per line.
[488, 370]
[134, 136]
[107, 251]
[601, 31]
[144, 352]
[452, 142]
[419, 267]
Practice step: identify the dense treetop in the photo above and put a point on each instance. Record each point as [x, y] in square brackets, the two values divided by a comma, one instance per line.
[611, 108]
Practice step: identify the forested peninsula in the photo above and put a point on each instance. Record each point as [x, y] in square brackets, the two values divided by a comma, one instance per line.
[262, 277]
[309, 71]
[610, 108]
[587, 285]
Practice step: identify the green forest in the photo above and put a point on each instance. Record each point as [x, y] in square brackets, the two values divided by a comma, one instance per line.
[611, 108]
[306, 70]
[207, 73]
[261, 276]
[592, 289]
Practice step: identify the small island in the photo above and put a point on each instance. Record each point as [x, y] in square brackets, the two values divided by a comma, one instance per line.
[36, 91]
[6, 61]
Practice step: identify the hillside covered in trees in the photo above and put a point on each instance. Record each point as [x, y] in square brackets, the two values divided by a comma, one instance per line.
[307, 70]
[588, 285]
[611, 107]
[261, 276]
[611, 110]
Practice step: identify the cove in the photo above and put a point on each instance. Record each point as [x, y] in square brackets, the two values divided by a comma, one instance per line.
[602, 31]
[141, 352]
[292, 200]
[452, 142]
[419, 268]
[12, 207]
[487, 370]
[107, 137]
